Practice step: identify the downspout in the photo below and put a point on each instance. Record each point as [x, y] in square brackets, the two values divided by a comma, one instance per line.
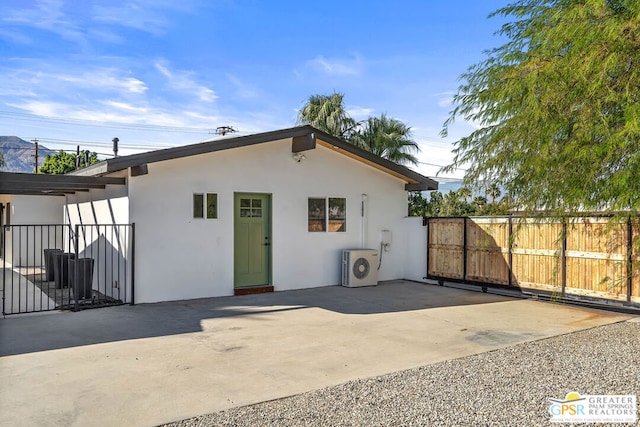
[363, 221]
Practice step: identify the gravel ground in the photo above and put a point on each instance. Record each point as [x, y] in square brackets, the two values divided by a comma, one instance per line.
[507, 387]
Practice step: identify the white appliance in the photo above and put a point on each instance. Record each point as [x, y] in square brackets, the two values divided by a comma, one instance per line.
[359, 267]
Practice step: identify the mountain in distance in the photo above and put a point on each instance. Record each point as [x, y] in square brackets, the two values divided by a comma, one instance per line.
[19, 154]
[445, 187]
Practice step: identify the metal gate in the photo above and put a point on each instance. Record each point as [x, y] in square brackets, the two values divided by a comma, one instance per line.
[64, 267]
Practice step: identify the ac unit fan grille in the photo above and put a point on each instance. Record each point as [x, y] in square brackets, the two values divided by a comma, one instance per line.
[361, 268]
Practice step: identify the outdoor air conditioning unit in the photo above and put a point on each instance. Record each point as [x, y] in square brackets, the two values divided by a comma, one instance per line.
[359, 267]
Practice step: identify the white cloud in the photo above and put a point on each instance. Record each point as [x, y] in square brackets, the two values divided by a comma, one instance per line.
[337, 67]
[45, 15]
[445, 99]
[183, 81]
[82, 23]
[445, 102]
[104, 113]
[14, 36]
[243, 90]
[150, 16]
[106, 78]
[359, 113]
[132, 15]
[63, 82]
[126, 107]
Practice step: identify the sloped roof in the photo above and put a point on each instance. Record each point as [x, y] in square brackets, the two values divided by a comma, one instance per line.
[303, 138]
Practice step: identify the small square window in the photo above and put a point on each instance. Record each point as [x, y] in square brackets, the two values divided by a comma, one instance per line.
[205, 205]
[198, 203]
[327, 214]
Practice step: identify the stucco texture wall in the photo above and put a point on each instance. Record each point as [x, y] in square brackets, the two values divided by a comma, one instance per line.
[179, 257]
[23, 246]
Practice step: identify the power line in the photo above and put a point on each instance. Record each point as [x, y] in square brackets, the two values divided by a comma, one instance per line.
[99, 123]
[447, 179]
[440, 166]
[101, 144]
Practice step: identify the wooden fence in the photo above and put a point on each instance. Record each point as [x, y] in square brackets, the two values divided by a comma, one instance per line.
[587, 256]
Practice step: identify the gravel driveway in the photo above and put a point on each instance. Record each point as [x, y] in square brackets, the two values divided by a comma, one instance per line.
[506, 387]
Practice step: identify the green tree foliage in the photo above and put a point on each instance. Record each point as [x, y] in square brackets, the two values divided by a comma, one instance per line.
[455, 203]
[384, 136]
[2, 161]
[558, 107]
[388, 138]
[493, 191]
[327, 113]
[465, 193]
[61, 163]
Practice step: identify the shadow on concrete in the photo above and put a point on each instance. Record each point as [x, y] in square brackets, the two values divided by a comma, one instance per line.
[49, 331]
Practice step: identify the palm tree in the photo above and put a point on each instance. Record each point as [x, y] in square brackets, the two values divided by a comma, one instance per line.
[465, 193]
[327, 113]
[479, 202]
[494, 192]
[383, 136]
[388, 138]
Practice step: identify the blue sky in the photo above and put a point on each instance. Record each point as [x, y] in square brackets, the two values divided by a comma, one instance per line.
[159, 73]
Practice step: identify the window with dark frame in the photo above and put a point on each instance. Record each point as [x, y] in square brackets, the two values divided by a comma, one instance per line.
[327, 214]
[212, 205]
[317, 215]
[198, 203]
[337, 214]
[205, 204]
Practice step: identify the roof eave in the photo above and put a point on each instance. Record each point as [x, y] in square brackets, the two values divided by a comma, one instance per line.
[304, 138]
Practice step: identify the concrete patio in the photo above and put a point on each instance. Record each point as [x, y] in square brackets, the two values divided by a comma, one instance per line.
[155, 363]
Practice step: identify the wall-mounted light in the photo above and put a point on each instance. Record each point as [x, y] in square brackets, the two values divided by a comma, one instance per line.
[298, 157]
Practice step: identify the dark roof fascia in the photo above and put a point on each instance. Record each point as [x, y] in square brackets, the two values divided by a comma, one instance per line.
[43, 184]
[93, 170]
[416, 181]
[387, 164]
[120, 163]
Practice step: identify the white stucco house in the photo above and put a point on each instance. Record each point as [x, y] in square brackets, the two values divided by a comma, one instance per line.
[270, 211]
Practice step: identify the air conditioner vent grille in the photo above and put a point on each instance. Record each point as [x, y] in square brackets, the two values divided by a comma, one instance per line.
[359, 267]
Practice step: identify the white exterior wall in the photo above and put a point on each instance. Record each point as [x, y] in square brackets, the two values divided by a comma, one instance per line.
[26, 210]
[108, 206]
[178, 257]
[24, 245]
[415, 262]
[102, 217]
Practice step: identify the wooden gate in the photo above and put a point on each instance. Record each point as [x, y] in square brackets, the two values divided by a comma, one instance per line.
[586, 256]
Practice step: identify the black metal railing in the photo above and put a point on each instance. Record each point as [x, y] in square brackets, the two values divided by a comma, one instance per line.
[63, 267]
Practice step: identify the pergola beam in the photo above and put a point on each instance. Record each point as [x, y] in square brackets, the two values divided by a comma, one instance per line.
[27, 183]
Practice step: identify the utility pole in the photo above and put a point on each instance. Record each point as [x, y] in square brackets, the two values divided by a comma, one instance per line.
[35, 141]
[223, 130]
[115, 146]
[77, 157]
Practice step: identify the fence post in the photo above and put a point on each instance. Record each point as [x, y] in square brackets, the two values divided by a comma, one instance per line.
[76, 277]
[4, 268]
[629, 259]
[133, 262]
[563, 267]
[510, 253]
[425, 222]
[464, 248]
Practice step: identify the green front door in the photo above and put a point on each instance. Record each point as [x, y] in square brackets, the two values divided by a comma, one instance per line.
[252, 239]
